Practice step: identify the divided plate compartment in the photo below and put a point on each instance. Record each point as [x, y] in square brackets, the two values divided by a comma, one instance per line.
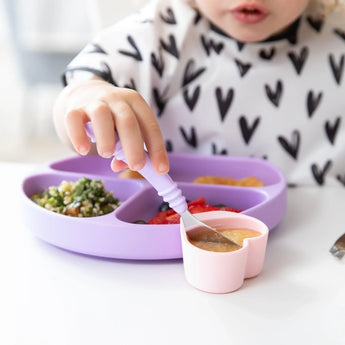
[115, 235]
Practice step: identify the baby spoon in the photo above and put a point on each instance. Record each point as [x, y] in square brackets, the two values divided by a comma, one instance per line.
[164, 185]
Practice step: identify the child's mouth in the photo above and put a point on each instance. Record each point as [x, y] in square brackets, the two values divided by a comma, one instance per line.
[249, 14]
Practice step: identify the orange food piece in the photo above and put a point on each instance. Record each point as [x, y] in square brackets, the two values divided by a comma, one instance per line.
[250, 181]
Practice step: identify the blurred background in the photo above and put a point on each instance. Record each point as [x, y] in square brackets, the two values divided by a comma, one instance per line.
[37, 40]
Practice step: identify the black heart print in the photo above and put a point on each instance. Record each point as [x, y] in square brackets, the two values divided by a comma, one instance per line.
[94, 48]
[299, 60]
[315, 23]
[130, 85]
[210, 45]
[192, 99]
[216, 151]
[320, 174]
[134, 54]
[243, 67]
[240, 45]
[248, 130]
[169, 17]
[341, 179]
[160, 100]
[190, 138]
[275, 95]
[191, 72]
[292, 147]
[340, 33]
[332, 129]
[267, 54]
[197, 17]
[224, 103]
[313, 102]
[104, 72]
[337, 69]
[158, 63]
[169, 146]
[170, 46]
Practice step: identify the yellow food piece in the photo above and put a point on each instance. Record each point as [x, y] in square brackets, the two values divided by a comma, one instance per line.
[130, 174]
[249, 181]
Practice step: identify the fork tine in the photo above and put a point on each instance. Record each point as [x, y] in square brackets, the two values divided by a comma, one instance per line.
[338, 248]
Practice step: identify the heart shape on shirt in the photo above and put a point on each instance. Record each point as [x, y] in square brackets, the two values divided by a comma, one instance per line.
[134, 54]
[224, 103]
[243, 67]
[320, 174]
[169, 16]
[158, 63]
[94, 48]
[292, 147]
[332, 129]
[248, 130]
[275, 95]
[240, 45]
[298, 60]
[340, 33]
[210, 45]
[267, 54]
[106, 74]
[130, 85]
[341, 179]
[216, 151]
[170, 46]
[315, 23]
[190, 138]
[160, 100]
[313, 102]
[169, 145]
[191, 72]
[337, 69]
[192, 99]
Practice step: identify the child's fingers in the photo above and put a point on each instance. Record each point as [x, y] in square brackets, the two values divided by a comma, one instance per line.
[129, 133]
[152, 135]
[117, 165]
[75, 120]
[103, 126]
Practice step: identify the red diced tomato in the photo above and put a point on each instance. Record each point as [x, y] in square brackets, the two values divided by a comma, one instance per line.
[196, 206]
[231, 209]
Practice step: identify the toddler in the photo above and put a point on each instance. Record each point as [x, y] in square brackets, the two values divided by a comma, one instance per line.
[261, 78]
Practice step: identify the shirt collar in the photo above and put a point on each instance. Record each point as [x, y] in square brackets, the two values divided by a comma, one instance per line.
[289, 34]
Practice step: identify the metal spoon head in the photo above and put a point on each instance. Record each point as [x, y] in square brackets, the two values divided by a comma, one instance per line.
[189, 220]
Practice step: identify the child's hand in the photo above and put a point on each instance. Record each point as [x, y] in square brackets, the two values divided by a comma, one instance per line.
[110, 108]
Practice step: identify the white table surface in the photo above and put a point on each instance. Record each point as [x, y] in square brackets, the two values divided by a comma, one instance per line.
[50, 296]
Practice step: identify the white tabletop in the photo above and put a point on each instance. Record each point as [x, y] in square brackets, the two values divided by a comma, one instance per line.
[50, 296]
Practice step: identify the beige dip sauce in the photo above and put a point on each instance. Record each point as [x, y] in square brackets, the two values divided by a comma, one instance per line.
[211, 241]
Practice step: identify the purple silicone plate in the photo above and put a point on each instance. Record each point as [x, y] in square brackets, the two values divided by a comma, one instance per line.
[115, 236]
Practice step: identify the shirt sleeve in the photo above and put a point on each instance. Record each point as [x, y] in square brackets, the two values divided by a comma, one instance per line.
[140, 52]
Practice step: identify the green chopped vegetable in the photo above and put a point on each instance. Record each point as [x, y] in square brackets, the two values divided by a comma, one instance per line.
[84, 198]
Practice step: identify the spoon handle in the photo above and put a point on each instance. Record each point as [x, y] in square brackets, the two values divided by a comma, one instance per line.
[164, 185]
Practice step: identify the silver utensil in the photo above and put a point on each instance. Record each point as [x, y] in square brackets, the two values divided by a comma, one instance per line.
[338, 248]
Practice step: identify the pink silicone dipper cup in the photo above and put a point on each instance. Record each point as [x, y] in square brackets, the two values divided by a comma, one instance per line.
[223, 272]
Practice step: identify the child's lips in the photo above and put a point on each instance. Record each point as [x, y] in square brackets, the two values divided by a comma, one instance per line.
[249, 14]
